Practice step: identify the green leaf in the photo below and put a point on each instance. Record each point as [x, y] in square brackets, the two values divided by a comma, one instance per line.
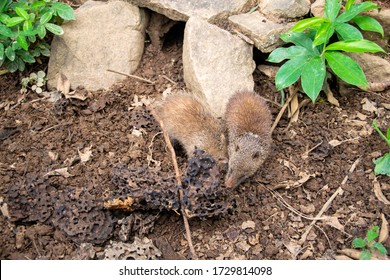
[332, 8]
[22, 13]
[41, 31]
[21, 64]
[22, 42]
[307, 23]
[365, 255]
[1, 51]
[313, 77]
[346, 68]
[44, 50]
[349, 4]
[14, 21]
[388, 136]
[26, 57]
[55, 29]
[381, 249]
[63, 11]
[368, 24]
[372, 233]
[10, 53]
[11, 66]
[325, 31]
[27, 25]
[290, 72]
[299, 39]
[5, 31]
[38, 4]
[45, 18]
[280, 54]
[355, 46]
[382, 165]
[355, 10]
[3, 5]
[359, 243]
[348, 32]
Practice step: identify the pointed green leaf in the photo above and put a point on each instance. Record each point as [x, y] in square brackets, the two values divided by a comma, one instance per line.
[313, 77]
[14, 21]
[22, 42]
[382, 165]
[44, 50]
[20, 63]
[381, 249]
[368, 24]
[2, 51]
[45, 18]
[5, 31]
[332, 8]
[10, 53]
[302, 25]
[346, 68]
[365, 255]
[355, 46]
[27, 25]
[41, 31]
[348, 32]
[11, 66]
[280, 54]
[38, 4]
[299, 39]
[22, 13]
[63, 11]
[55, 29]
[325, 31]
[359, 243]
[349, 4]
[355, 10]
[3, 5]
[290, 72]
[388, 136]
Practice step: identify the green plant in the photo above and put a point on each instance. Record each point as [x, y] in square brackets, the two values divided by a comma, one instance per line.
[369, 245]
[35, 82]
[382, 164]
[318, 45]
[23, 29]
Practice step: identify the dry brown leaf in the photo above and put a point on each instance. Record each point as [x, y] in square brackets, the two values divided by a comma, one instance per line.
[369, 105]
[334, 222]
[378, 192]
[293, 247]
[76, 95]
[294, 109]
[384, 233]
[331, 98]
[59, 172]
[86, 154]
[63, 84]
[342, 258]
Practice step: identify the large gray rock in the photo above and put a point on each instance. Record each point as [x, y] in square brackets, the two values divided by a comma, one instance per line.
[215, 63]
[181, 10]
[262, 31]
[105, 35]
[285, 8]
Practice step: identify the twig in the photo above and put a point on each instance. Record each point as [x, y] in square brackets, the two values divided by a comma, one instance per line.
[55, 126]
[168, 79]
[327, 204]
[178, 179]
[132, 76]
[281, 112]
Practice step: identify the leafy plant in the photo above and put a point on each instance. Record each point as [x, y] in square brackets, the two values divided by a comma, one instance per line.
[318, 46]
[369, 245]
[23, 29]
[382, 164]
[36, 81]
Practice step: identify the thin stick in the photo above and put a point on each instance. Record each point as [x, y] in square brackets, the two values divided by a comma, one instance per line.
[132, 76]
[168, 79]
[327, 204]
[178, 179]
[281, 112]
[55, 126]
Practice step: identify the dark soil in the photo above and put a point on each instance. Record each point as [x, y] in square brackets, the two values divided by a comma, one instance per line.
[52, 191]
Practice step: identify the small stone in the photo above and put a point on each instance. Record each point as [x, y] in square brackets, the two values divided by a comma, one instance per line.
[248, 224]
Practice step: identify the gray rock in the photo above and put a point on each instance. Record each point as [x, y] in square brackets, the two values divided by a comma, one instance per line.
[262, 31]
[215, 63]
[105, 35]
[285, 8]
[181, 10]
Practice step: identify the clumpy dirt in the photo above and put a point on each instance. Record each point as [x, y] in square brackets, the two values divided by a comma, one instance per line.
[61, 162]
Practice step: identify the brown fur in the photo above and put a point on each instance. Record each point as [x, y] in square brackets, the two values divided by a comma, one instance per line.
[189, 121]
[248, 121]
